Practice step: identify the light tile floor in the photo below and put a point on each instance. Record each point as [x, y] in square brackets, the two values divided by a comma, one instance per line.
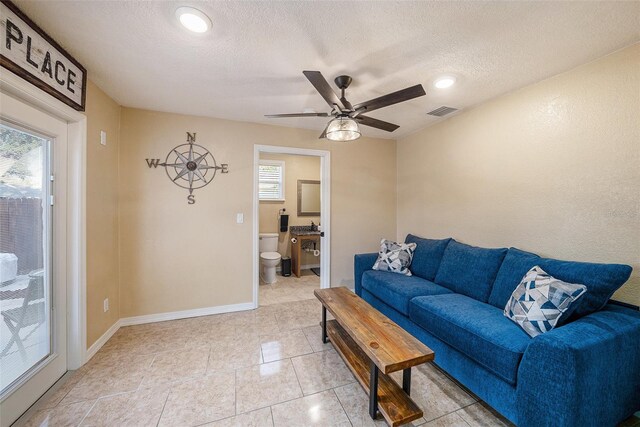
[265, 367]
[289, 289]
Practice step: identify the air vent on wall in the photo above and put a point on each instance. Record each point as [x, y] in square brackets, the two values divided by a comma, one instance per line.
[442, 111]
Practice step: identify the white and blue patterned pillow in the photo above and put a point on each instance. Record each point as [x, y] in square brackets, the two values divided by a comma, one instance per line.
[539, 300]
[395, 257]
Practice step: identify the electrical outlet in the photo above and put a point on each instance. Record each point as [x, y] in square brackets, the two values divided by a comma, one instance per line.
[105, 304]
[240, 218]
[103, 137]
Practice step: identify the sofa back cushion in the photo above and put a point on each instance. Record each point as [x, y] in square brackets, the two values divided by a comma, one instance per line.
[515, 265]
[601, 280]
[470, 270]
[427, 256]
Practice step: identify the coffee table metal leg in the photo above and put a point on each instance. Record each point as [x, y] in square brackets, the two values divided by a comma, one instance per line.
[324, 324]
[373, 391]
[406, 380]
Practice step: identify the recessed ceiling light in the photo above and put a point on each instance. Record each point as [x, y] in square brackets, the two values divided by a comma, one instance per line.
[444, 82]
[193, 19]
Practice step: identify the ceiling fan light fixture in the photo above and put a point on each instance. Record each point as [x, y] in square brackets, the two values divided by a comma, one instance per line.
[193, 19]
[343, 129]
[444, 82]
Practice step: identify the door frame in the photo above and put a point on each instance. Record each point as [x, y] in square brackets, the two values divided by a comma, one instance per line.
[76, 207]
[325, 209]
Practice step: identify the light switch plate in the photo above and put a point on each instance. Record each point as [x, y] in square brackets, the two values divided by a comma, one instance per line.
[105, 304]
[240, 218]
[103, 137]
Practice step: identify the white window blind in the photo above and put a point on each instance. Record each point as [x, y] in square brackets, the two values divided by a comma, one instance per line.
[271, 180]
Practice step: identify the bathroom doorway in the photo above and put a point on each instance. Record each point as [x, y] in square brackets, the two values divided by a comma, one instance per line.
[291, 223]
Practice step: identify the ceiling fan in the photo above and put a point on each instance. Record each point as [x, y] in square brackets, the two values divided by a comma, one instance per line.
[344, 125]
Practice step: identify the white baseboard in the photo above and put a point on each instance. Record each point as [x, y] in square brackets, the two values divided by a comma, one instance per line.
[173, 315]
[161, 317]
[91, 351]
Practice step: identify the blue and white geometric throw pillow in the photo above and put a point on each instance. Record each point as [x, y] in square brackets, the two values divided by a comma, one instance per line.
[395, 257]
[539, 301]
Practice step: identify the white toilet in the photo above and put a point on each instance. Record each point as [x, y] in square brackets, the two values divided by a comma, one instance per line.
[269, 257]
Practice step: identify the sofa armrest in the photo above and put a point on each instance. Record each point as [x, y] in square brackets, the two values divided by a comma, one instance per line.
[362, 263]
[585, 373]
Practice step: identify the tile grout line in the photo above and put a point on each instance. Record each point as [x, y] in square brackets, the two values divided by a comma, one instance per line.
[460, 416]
[163, 406]
[65, 395]
[235, 390]
[274, 404]
[302, 397]
[308, 342]
[288, 400]
[296, 374]
[452, 412]
[341, 405]
[88, 412]
[262, 362]
[206, 369]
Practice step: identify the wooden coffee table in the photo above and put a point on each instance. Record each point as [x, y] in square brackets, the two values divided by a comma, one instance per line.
[373, 347]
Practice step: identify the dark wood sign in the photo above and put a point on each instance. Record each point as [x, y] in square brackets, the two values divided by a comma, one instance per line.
[27, 51]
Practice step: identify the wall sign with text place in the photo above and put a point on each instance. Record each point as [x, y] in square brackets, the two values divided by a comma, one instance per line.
[27, 51]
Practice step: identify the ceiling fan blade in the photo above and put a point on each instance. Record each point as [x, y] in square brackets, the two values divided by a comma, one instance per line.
[391, 98]
[375, 123]
[323, 88]
[298, 115]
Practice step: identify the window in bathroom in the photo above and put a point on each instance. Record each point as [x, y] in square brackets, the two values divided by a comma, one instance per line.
[271, 180]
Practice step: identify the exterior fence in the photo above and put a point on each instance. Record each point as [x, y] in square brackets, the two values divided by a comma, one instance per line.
[21, 232]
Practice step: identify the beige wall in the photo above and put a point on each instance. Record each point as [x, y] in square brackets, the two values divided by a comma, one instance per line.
[176, 256]
[296, 167]
[102, 212]
[553, 168]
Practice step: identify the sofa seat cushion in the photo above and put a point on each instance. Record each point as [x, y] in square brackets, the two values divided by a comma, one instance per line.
[470, 270]
[427, 256]
[601, 280]
[476, 329]
[397, 290]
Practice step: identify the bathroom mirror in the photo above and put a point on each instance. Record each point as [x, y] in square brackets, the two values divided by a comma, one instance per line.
[308, 198]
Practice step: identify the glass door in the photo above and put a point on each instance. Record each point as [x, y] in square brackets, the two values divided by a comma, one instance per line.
[25, 279]
[32, 235]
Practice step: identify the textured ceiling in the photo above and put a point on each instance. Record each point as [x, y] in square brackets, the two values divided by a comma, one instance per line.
[251, 63]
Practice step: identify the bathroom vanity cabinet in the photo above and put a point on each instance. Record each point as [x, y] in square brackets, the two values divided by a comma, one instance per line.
[296, 248]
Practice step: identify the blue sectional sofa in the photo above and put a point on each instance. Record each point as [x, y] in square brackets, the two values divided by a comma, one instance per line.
[585, 372]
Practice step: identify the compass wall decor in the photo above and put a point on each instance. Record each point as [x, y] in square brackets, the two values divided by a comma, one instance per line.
[190, 166]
